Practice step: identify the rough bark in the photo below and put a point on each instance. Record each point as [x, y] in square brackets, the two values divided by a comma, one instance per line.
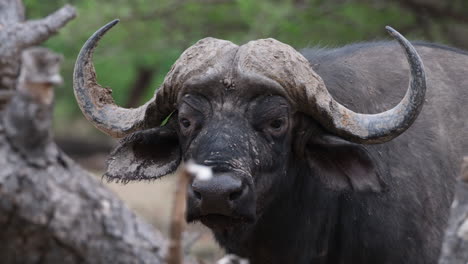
[57, 213]
[12, 11]
[455, 247]
[17, 35]
[51, 210]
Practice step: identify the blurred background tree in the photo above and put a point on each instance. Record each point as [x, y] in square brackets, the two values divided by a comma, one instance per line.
[152, 34]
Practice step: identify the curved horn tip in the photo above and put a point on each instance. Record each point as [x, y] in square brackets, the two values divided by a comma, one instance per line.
[383, 127]
[114, 22]
[391, 31]
[91, 43]
[394, 33]
[108, 26]
[389, 28]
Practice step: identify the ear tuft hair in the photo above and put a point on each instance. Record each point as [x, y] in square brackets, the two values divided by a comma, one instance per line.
[144, 155]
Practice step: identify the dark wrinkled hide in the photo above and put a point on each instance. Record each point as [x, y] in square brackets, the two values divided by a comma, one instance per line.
[318, 198]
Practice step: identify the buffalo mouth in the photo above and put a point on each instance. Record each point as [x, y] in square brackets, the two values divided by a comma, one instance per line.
[220, 221]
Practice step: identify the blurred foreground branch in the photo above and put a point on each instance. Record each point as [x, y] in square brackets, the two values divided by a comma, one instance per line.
[17, 35]
[455, 247]
[178, 219]
[51, 210]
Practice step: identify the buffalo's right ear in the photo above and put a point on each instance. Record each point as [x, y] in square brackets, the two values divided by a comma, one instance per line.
[144, 155]
[342, 165]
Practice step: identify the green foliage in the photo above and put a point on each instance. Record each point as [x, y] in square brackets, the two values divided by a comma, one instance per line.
[154, 33]
[164, 122]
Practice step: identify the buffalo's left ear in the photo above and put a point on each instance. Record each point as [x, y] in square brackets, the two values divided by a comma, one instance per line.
[342, 165]
[144, 155]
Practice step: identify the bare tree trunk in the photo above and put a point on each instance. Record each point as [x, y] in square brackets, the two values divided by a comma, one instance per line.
[17, 35]
[51, 210]
[455, 247]
[57, 213]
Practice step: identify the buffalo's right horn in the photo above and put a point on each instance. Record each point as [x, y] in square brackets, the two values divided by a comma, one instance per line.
[95, 101]
[381, 127]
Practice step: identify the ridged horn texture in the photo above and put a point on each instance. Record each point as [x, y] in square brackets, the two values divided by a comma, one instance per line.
[382, 127]
[264, 58]
[287, 67]
[207, 56]
[95, 101]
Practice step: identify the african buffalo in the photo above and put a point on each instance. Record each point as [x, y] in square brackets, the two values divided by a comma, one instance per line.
[310, 161]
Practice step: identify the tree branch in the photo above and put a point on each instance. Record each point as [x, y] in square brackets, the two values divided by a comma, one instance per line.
[454, 249]
[11, 12]
[52, 211]
[17, 35]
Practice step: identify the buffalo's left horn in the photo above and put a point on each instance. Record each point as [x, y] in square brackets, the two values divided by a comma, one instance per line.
[381, 127]
[95, 101]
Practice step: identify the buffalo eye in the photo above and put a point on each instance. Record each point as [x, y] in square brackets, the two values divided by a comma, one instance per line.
[276, 127]
[187, 125]
[277, 124]
[270, 115]
[191, 113]
[184, 122]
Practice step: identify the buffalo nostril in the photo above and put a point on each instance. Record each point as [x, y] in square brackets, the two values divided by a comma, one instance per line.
[197, 195]
[235, 195]
[218, 195]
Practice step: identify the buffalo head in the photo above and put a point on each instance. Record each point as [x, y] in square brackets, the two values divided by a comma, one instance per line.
[246, 111]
